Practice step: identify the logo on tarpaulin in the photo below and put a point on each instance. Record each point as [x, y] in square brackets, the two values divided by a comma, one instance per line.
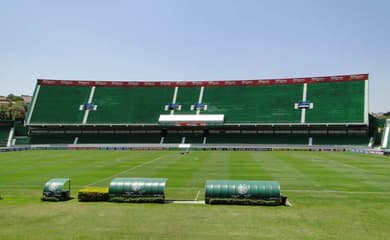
[136, 187]
[53, 186]
[242, 189]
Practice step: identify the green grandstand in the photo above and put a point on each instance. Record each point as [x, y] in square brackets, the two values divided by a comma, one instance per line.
[315, 110]
[5, 129]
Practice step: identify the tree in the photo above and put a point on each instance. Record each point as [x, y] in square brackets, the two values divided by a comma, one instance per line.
[10, 97]
[17, 111]
[3, 111]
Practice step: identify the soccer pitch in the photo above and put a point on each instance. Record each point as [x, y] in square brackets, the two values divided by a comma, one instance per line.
[335, 195]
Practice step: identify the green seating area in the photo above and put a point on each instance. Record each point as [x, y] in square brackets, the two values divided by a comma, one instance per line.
[266, 139]
[59, 104]
[333, 103]
[258, 138]
[193, 138]
[337, 103]
[20, 129]
[21, 134]
[341, 139]
[95, 138]
[290, 139]
[22, 140]
[120, 138]
[52, 139]
[4, 133]
[259, 104]
[129, 105]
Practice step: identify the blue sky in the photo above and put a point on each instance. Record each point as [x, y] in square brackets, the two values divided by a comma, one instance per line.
[194, 40]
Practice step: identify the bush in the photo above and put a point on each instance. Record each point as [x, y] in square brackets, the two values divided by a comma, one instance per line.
[137, 199]
[93, 194]
[238, 201]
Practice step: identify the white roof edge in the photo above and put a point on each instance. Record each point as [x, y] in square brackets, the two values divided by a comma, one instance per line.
[191, 118]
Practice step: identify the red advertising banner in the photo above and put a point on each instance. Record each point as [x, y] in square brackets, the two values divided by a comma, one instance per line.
[216, 83]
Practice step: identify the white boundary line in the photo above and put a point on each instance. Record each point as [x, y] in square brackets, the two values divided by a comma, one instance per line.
[186, 202]
[288, 203]
[197, 195]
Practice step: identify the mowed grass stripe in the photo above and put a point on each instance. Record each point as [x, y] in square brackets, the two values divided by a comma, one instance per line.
[367, 164]
[325, 176]
[209, 165]
[367, 179]
[157, 169]
[378, 166]
[181, 174]
[124, 173]
[125, 165]
[82, 166]
[217, 167]
[323, 212]
[42, 165]
[289, 177]
[187, 177]
[243, 166]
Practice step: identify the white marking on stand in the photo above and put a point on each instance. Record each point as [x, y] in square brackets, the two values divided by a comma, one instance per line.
[33, 104]
[386, 137]
[304, 96]
[310, 141]
[89, 101]
[10, 137]
[174, 98]
[366, 101]
[200, 99]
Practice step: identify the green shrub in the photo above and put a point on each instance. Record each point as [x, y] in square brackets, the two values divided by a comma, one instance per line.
[138, 199]
[94, 194]
[241, 201]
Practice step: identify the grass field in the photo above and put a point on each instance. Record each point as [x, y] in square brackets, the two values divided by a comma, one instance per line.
[334, 195]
